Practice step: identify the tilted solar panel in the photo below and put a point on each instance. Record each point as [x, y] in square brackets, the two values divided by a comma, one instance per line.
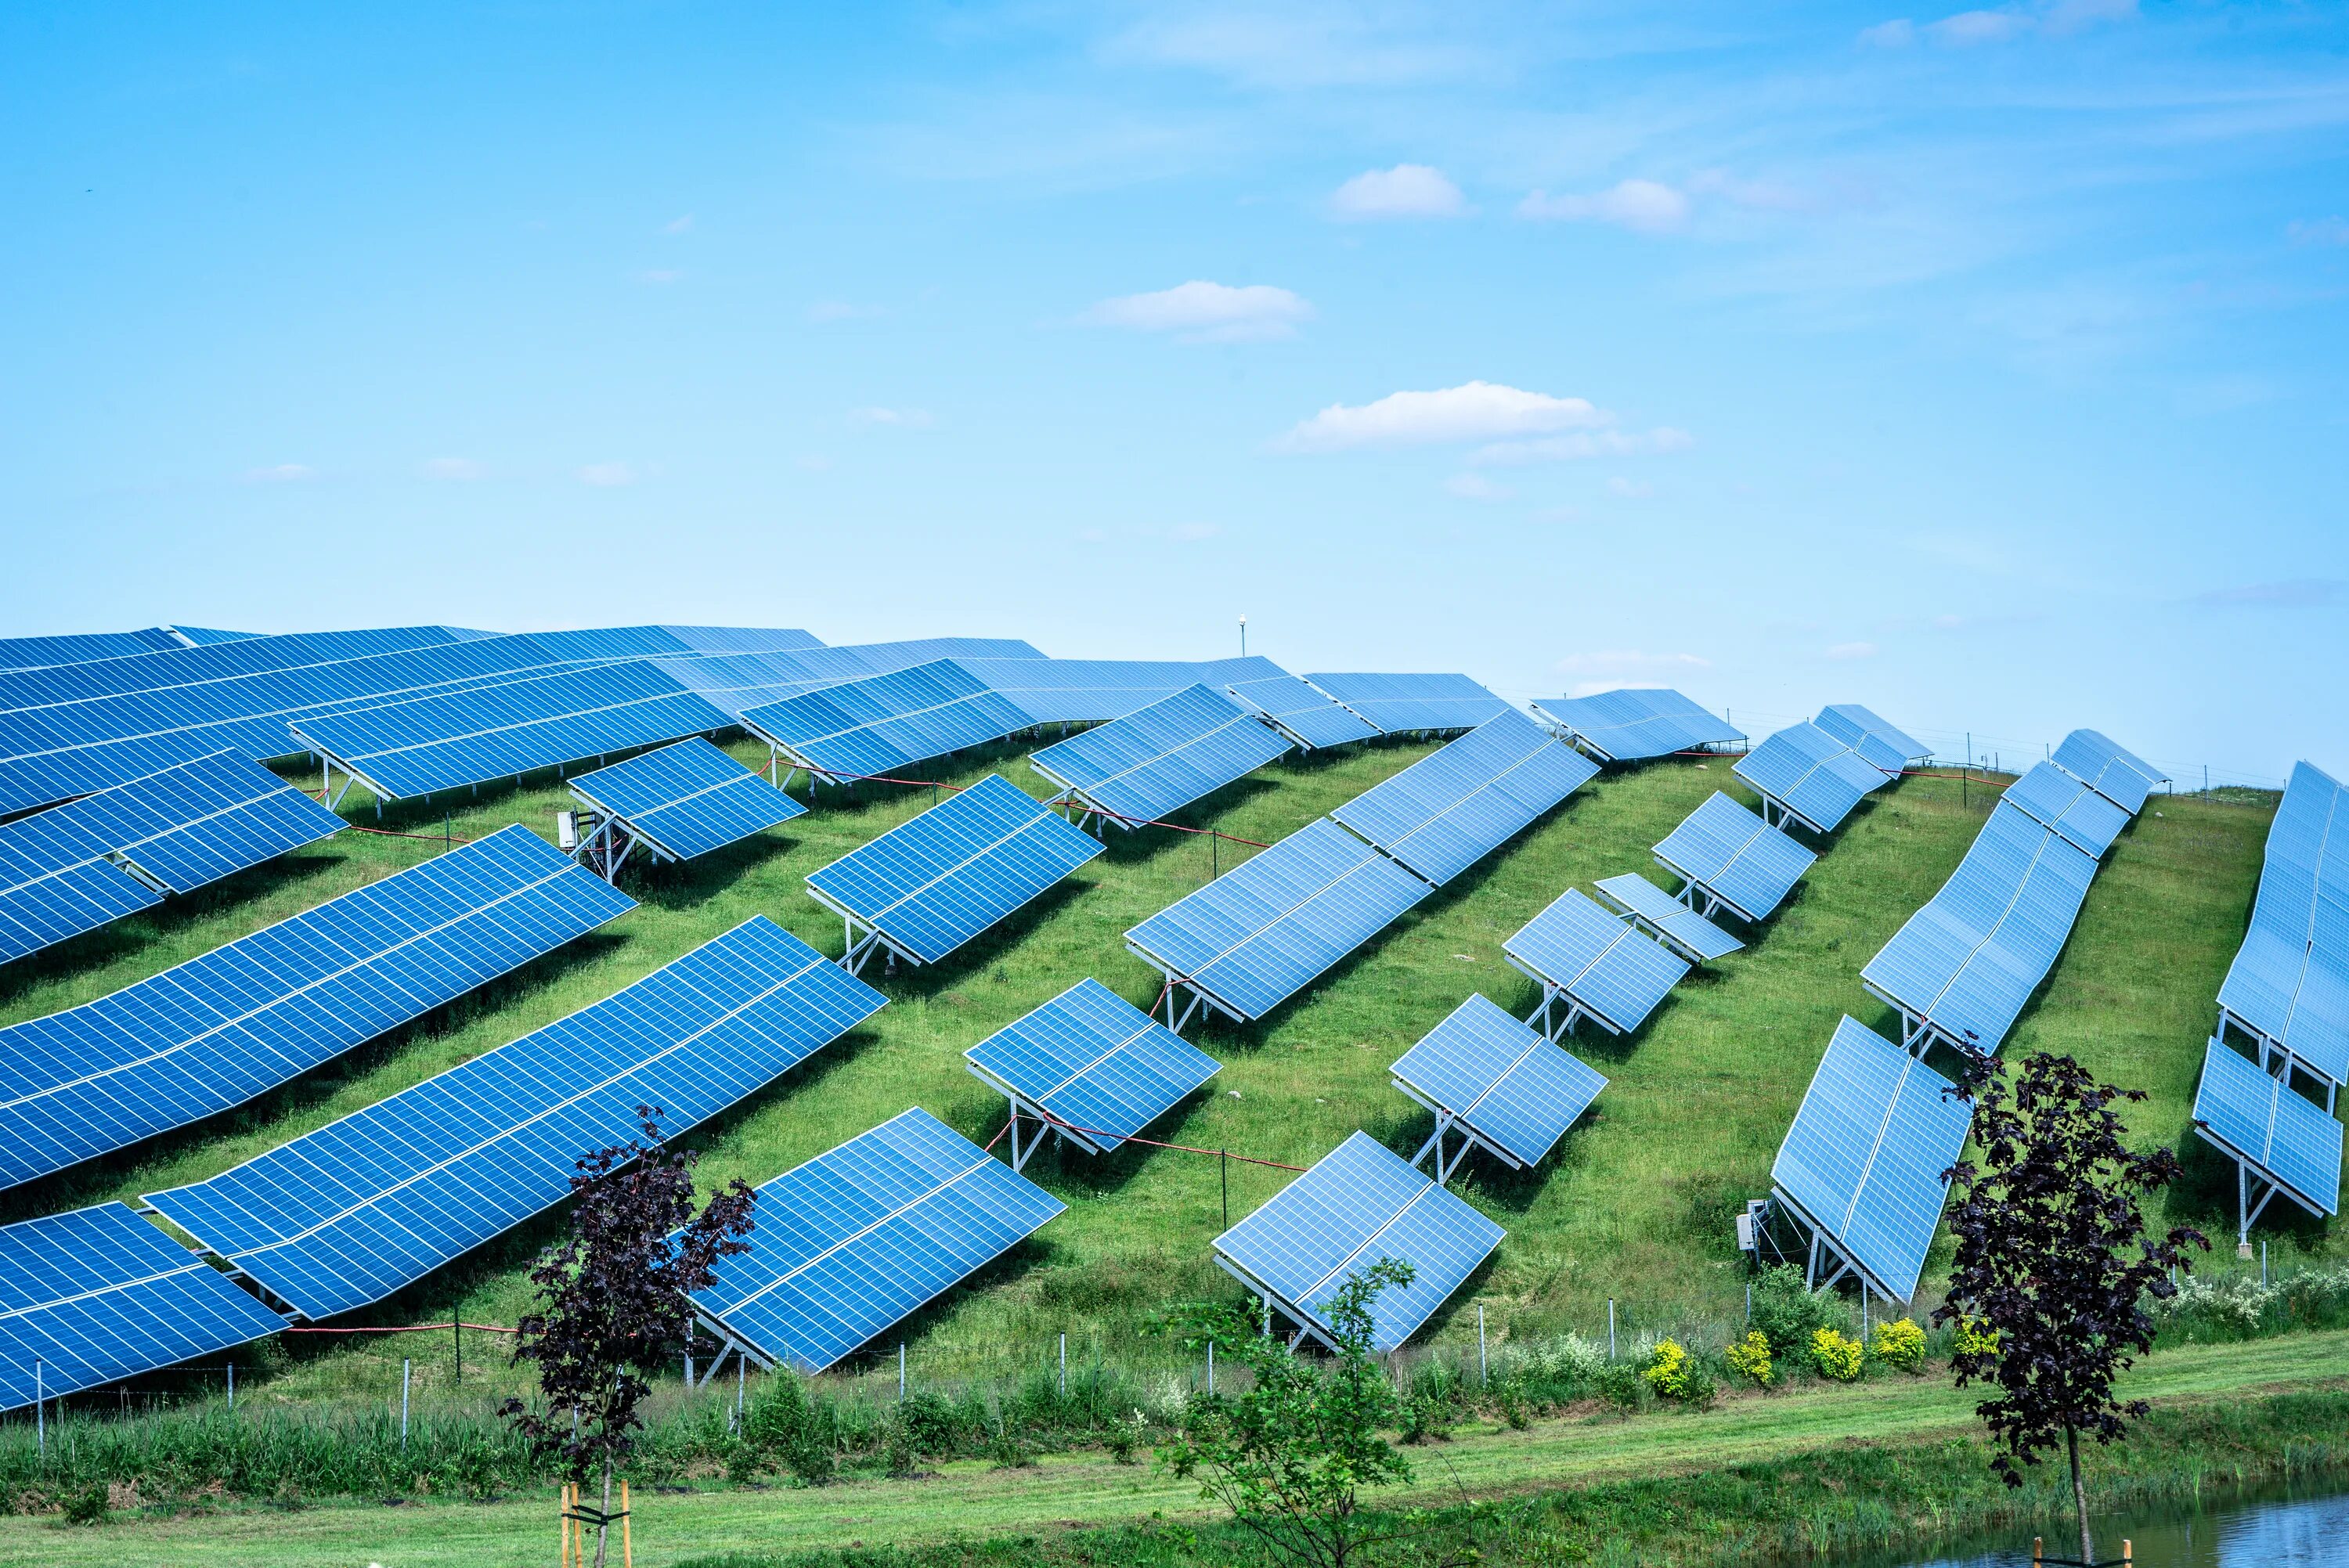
[61, 870]
[743, 639]
[739, 681]
[1455, 806]
[99, 1294]
[1967, 961]
[2290, 981]
[205, 637]
[185, 668]
[1308, 716]
[1676, 923]
[1084, 691]
[929, 885]
[1093, 1063]
[1359, 1204]
[2118, 775]
[81, 647]
[2056, 799]
[1735, 856]
[1501, 1080]
[854, 1240]
[882, 724]
[685, 799]
[1158, 759]
[2252, 1115]
[346, 1214]
[217, 1030]
[1604, 966]
[1399, 703]
[1636, 722]
[1866, 1157]
[1886, 745]
[1272, 925]
[1810, 773]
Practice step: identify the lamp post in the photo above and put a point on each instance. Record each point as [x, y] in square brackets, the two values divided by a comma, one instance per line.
[1243, 637]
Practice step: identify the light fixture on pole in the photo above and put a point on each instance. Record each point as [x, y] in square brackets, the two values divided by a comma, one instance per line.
[1243, 637]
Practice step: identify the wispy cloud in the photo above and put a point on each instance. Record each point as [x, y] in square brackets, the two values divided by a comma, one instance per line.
[678, 225]
[1298, 46]
[1852, 651]
[608, 476]
[1406, 190]
[1609, 669]
[1472, 411]
[2320, 232]
[280, 474]
[1580, 444]
[1476, 487]
[1204, 312]
[1969, 29]
[453, 469]
[2297, 593]
[1643, 206]
[1628, 487]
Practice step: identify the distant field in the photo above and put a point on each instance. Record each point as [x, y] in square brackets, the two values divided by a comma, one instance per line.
[1637, 1207]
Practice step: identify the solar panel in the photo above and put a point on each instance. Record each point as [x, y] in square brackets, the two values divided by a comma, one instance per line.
[99, 1294]
[1965, 963]
[1272, 925]
[1399, 704]
[72, 868]
[881, 726]
[1158, 759]
[1603, 968]
[927, 886]
[1888, 748]
[739, 681]
[2289, 984]
[2056, 799]
[80, 647]
[1636, 722]
[488, 732]
[1309, 717]
[181, 668]
[1809, 775]
[1499, 1081]
[1734, 857]
[1092, 1063]
[1359, 1204]
[1084, 691]
[2118, 775]
[743, 639]
[363, 1206]
[2252, 1115]
[1677, 925]
[1455, 806]
[217, 1030]
[857, 1238]
[1865, 1159]
[205, 637]
[680, 801]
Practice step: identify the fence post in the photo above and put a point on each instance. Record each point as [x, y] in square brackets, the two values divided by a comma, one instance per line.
[741, 1363]
[1481, 1376]
[406, 1366]
[457, 1337]
[2263, 1263]
[231, 1385]
[1610, 1328]
[1064, 1363]
[1211, 1365]
[1223, 1173]
[40, 1408]
[1749, 1304]
[901, 1371]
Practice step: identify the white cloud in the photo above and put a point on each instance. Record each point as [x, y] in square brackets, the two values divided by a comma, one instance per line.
[1609, 669]
[1586, 444]
[280, 474]
[1476, 487]
[1969, 27]
[898, 419]
[2321, 232]
[1472, 411]
[1965, 29]
[678, 225]
[1897, 34]
[1852, 651]
[1406, 190]
[1629, 489]
[1558, 514]
[1761, 195]
[454, 468]
[1204, 312]
[1643, 206]
[605, 476]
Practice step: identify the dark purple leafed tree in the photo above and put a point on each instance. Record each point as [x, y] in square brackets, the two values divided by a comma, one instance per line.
[2053, 1261]
[615, 1305]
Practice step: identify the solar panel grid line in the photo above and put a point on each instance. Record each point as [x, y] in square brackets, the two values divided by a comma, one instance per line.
[1810, 775]
[1603, 966]
[681, 800]
[1735, 858]
[2289, 982]
[1307, 716]
[1452, 807]
[179, 668]
[2252, 1115]
[2054, 798]
[2108, 768]
[1884, 745]
[82, 648]
[1666, 918]
[1635, 723]
[1157, 760]
[1092, 1066]
[867, 728]
[1535, 1089]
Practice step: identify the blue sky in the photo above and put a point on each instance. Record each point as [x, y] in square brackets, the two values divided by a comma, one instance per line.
[1984, 366]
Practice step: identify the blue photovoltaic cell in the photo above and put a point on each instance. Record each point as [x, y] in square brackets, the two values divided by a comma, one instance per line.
[881, 726]
[205, 637]
[217, 1030]
[80, 647]
[1669, 918]
[2056, 799]
[1810, 773]
[1400, 704]
[2118, 775]
[743, 639]
[1093, 1062]
[1501, 1080]
[1865, 1158]
[1084, 691]
[1308, 715]
[931, 884]
[486, 732]
[1636, 722]
[1605, 964]
[1361, 1202]
[99, 1294]
[1269, 927]
[739, 681]
[346, 1214]
[1888, 748]
[1457, 805]
[2290, 981]
[854, 1240]
[1969, 960]
[180, 828]
[685, 799]
[1158, 759]
[2252, 1115]
[185, 668]
[1734, 856]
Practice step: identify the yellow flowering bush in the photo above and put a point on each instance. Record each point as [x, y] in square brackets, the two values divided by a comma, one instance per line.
[1974, 1338]
[1836, 1356]
[1668, 1370]
[1750, 1358]
[1899, 1343]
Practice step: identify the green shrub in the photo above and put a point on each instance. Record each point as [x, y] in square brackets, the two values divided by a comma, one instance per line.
[1899, 1343]
[1750, 1359]
[1837, 1356]
[1619, 1383]
[1668, 1368]
[1786, 1311]
[89, 1505]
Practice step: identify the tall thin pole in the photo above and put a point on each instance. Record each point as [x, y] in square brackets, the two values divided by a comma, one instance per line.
[901, 1371]
[40, 1408]
[741, 1364]
[457, 1337]
[1064, 1363]
[1610, 1328]
[1223, 1170]
[1211, 1365]
[406, 1366]
[232, 1385]
[1481, 1378]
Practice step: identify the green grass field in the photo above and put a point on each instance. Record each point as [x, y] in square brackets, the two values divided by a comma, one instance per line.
[1637, 1208]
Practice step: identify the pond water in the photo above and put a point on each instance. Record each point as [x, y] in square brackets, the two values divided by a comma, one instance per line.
[2277, 1530]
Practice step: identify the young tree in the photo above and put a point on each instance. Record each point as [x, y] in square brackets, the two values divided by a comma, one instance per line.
[613, 1300]
[2052, 1260]
[1290, 1456]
